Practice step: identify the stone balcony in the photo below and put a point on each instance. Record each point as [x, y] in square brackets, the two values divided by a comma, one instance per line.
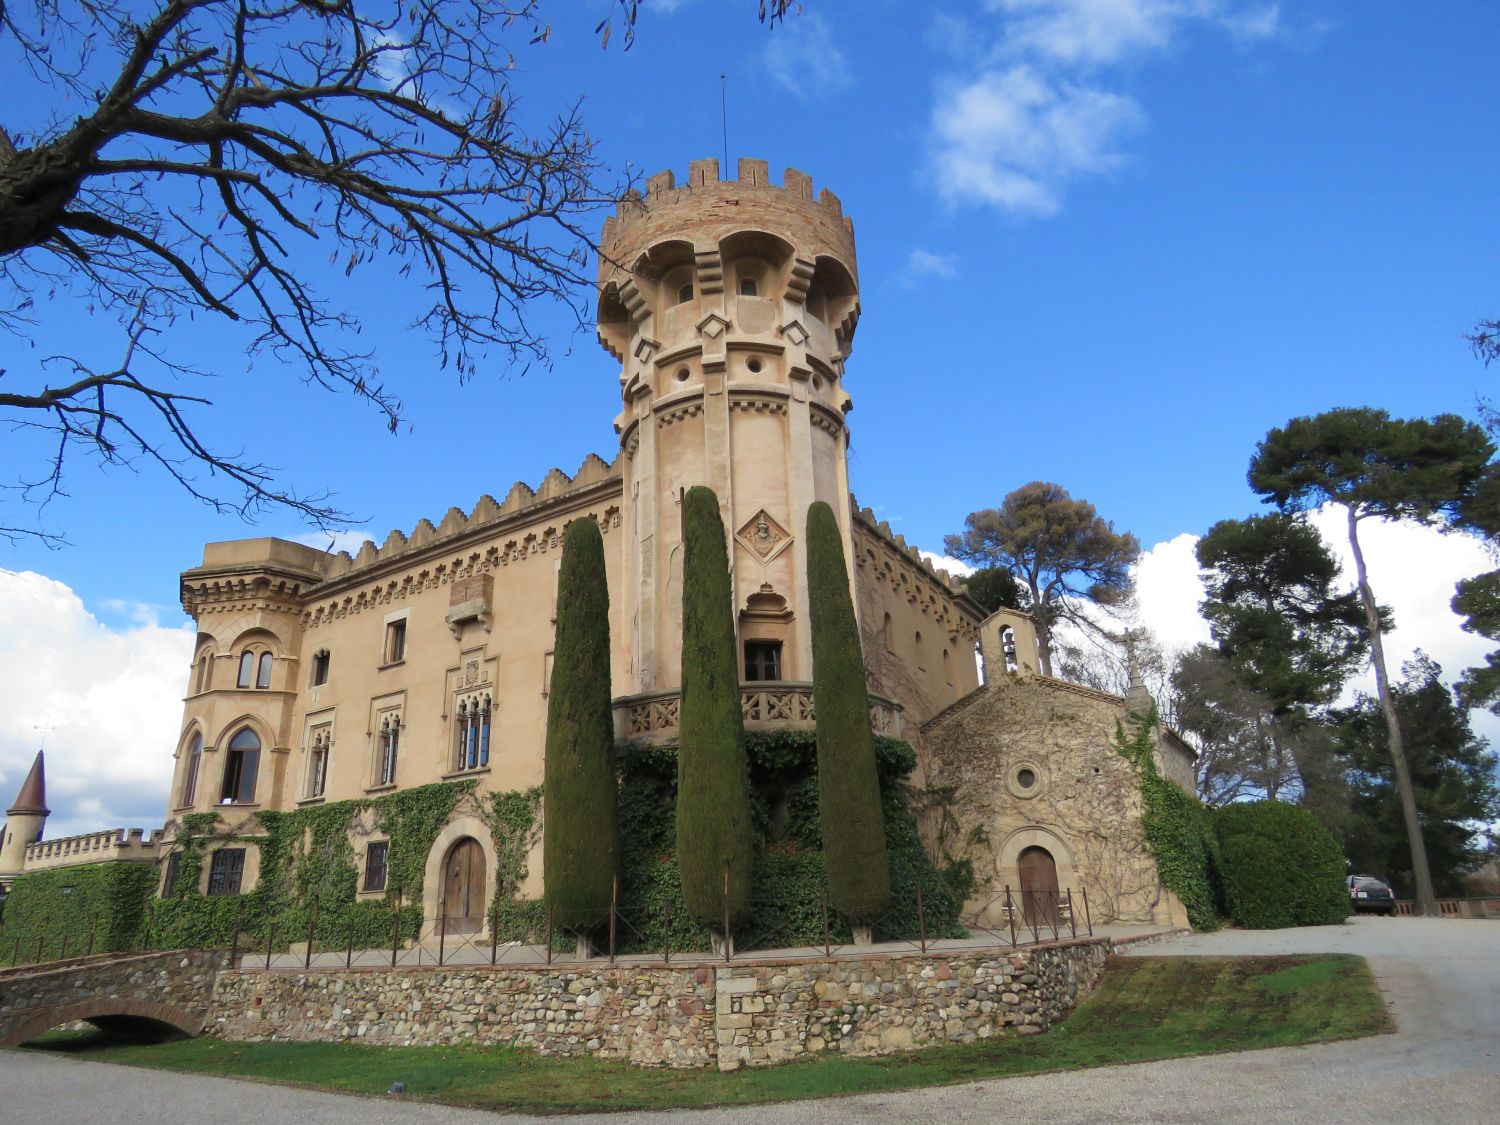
[766, 705]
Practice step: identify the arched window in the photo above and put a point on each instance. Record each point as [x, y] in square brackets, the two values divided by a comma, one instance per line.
[947, 667]
[888, 634]
[320, 664]
[390, 746]
[190, 776]
[1008, 649]
[241, 765]
[917, 650]
[472, 733]
[263, 676]
[205, 674]
[317, 765]
[247, 669]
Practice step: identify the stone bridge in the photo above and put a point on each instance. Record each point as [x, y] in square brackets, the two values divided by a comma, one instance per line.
[147, 991]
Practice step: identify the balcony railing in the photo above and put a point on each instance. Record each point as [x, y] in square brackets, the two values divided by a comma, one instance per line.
[779, 704]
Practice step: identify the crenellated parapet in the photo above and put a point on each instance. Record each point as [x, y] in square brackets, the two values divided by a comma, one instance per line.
[886, 559]
[111, 845]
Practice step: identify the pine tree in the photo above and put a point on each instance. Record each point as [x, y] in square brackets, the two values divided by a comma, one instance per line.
[859, 879]
[713, 774]
[580, 836]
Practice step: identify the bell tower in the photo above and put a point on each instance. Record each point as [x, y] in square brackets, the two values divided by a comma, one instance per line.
[731, 306]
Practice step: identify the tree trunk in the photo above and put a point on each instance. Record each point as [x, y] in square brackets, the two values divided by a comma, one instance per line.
[1042, 625]
[1426, 899]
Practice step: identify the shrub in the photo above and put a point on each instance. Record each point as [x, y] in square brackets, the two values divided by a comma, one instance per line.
[57, 910]
[580, 837]
[1281, 867]
[859, 882]
[713, 790]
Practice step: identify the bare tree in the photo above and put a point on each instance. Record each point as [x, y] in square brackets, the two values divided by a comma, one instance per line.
[232, 158]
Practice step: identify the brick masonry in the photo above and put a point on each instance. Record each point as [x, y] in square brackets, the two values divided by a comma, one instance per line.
[654, 1015]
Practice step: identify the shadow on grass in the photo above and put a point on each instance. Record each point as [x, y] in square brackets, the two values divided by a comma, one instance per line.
[1144, 1009]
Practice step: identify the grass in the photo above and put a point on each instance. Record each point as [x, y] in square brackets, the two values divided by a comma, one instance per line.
[1145, 1008]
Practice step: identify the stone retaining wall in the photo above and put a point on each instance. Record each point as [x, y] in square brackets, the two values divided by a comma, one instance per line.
[654, 1015]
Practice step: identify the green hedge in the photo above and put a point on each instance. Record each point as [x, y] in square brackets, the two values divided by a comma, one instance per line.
[1281, 867]
[789, 875]
[65, 904]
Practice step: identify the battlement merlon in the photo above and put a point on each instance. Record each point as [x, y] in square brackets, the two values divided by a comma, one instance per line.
[706, 209]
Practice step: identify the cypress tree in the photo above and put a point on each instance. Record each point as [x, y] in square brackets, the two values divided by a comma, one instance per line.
[580, 834]
[859, 879]
[713, 773]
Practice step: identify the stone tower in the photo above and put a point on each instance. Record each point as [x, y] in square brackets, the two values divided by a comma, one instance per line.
[23, 822]
[731, 306]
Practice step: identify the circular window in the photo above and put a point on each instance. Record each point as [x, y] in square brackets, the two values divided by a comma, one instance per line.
[754, 365]
[1026, 780]
[682, 374]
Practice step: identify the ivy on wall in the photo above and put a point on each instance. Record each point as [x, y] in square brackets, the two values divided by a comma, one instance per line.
[789, 878]
[1179, 829]
[48, 913]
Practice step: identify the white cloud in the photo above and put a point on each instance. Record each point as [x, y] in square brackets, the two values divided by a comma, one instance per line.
[1412, 569]
[1035, 113]
[107, 701]
[1013, 138]
[924, 263]
[951, 565]
[802, 56]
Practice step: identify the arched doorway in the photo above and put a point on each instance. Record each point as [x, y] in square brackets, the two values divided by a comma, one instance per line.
[1038, 886]
[463, 887]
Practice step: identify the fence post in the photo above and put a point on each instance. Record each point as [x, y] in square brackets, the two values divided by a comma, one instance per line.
[549, 933]
[1072, 918]
[921, 920]
[666, 933]
[1086, 916]
[15, 953]
[395, 928]
[1010, 915]
[728, 946]
[312, 932]
[827, 944]
[614, 903]
[93, 925]
[270, 941]
[1029, 897]
[349, 953]
[1056, 905]
[495, 930]
[63, 956]
[234, 939]
[442, 929]
[39, 939]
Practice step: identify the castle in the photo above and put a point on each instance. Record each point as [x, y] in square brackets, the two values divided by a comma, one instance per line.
[731, 306]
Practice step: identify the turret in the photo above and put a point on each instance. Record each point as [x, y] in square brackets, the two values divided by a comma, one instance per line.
[731, 306]
[24, 821]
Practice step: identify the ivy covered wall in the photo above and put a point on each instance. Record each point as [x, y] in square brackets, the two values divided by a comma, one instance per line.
[789, 878]
[46, 909]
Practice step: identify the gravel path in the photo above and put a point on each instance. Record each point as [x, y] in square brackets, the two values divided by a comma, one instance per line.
[1442, 978]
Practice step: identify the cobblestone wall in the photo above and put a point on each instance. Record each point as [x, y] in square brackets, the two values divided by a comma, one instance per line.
[694, 1016]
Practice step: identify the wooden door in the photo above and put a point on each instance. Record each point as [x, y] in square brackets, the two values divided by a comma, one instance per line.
[463, 887]
[1038, 886]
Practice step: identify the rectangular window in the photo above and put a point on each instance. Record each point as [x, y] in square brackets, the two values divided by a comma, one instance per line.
[174, 868]
[762, 660]
[320, 668]
[376, 858]
[395, 642]
[225, 871]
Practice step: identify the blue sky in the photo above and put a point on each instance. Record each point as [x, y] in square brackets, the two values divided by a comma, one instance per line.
[1103, 242]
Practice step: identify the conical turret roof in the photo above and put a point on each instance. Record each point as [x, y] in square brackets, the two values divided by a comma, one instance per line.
[33, 795]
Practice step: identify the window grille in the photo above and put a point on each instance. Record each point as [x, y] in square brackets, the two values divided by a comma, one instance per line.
[377, 861]
[226, 871]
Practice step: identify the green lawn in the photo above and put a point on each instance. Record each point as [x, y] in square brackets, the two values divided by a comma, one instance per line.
[1145, 1008]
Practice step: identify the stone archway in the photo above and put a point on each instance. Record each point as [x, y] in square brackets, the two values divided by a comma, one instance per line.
[434, 876]
[1051, 842]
